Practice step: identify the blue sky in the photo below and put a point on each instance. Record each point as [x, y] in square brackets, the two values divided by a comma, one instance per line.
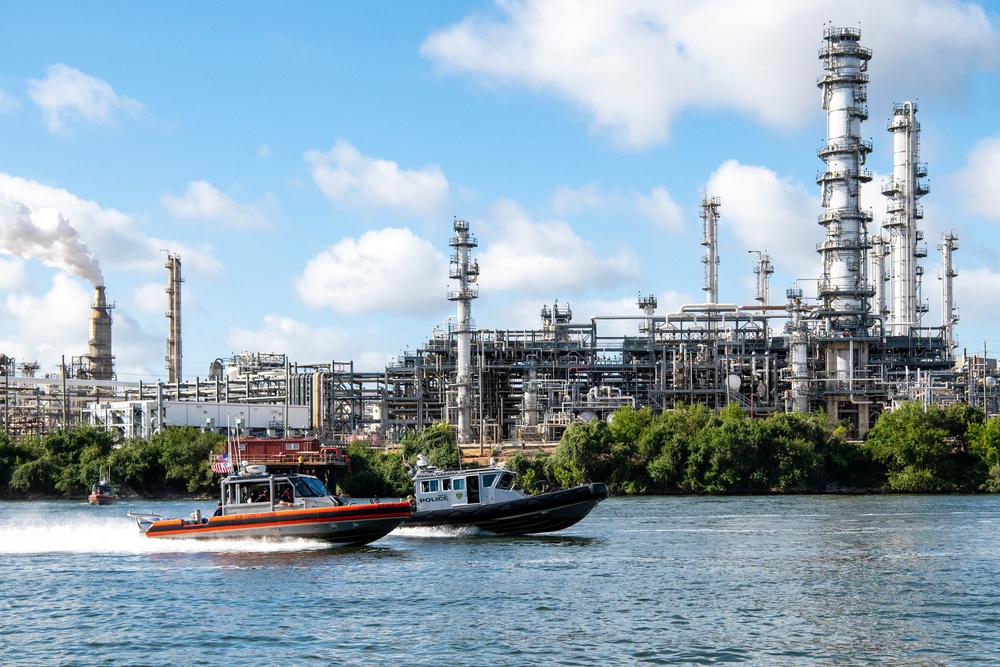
[306, 161]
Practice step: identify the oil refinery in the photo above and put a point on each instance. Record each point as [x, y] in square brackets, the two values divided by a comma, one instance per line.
[859, 348]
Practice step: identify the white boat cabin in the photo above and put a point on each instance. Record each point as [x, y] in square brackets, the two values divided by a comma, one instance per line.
[441, 489]
[254, 490]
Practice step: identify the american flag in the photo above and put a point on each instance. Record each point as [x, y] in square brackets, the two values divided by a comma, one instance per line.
[221, 464]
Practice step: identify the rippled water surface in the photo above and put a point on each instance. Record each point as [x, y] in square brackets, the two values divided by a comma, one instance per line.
[664, 581]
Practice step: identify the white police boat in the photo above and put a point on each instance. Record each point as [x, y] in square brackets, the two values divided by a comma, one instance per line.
[487, 497]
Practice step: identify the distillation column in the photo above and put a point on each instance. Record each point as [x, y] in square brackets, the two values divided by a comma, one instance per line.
[763, 270]
[878, 276]
[647, 304]
[798, 397]
[949, 316]
[710, 214]
[843, 290]
[465, 272]
[173, 266]
[904, 190]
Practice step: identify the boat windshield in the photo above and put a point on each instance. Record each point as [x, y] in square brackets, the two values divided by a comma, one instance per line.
[506, 480]
[488, 480]
[309, 487]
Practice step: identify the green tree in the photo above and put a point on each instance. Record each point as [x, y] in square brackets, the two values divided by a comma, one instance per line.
[91, 448]
[64, 461]
[627, 471]
[375, 474]
[137, 465]
[12, 455]
[912, 443]
[665, 445]
[582, 455]
[436, 442]
[794, 459]
[984, 445]
[531, 470]
[716, 461]
[185, 453]
[36, 474]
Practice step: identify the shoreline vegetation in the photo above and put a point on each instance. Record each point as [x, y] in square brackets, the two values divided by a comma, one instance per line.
[687, 450]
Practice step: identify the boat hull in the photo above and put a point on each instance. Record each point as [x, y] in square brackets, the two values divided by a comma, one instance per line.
[345, 525]
[544, 513]
[101, 499]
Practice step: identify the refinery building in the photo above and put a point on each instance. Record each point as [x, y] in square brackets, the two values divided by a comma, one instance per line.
[860, 347]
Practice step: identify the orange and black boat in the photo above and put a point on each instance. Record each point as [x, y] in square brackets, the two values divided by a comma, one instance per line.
[254, 503]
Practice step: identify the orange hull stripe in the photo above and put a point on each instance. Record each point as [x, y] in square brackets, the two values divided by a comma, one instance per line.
[229, 523]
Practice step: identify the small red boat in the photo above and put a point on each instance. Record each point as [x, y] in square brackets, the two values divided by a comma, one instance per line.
[102, 493]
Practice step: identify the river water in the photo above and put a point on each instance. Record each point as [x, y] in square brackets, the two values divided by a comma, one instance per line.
[801, 580]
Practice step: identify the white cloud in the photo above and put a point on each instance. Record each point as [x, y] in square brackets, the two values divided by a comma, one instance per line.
[769, 213]
[8, 102]
[975, 297]
[66, 94]
[41, 328]
[980, 179]
[203, 201]
[151, 298]
[286, 335]
[658, 206]
[566, 200]
[634, 66]
[535, 256]
[139, 352]
[12, 274]
[389, 271]
[306, 344]
[113, 237]
[661, 208]
[345, 175]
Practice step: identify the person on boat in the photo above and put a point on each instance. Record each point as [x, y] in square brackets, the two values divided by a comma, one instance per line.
[218, 510]
[262, 497]
[286, 497]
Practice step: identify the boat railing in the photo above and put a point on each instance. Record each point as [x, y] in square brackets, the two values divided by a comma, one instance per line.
[144, 519]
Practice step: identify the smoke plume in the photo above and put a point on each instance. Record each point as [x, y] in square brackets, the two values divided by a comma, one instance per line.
[47, 236]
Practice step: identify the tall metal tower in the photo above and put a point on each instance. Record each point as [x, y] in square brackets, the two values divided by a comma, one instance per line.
[949, 315]
[763, 269]
[904, 190]
[174, 355]
[99, 356]
[797, 399]
[465, 271]
[647, 304]
[710, 214]
[877, 255]
[842, 288]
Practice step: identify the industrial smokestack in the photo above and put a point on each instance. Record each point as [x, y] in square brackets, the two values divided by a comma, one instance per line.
[99, 346]
[174, 355]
